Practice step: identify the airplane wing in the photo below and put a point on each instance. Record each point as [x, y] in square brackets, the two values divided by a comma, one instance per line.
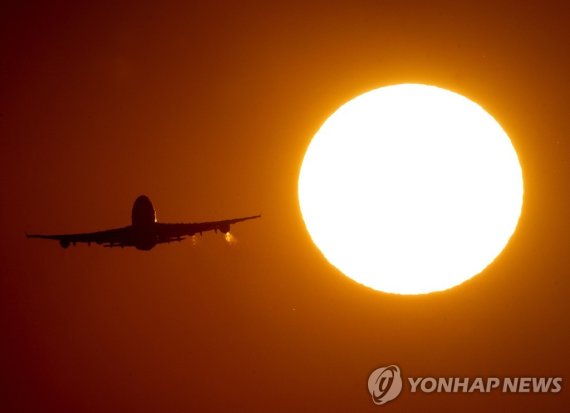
[174, 231]
[118, 237]
[131, 236]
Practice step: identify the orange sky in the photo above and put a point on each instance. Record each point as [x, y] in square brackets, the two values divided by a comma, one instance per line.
[208, 111]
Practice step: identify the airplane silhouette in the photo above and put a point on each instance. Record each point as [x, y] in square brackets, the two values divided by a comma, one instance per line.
[144, 232]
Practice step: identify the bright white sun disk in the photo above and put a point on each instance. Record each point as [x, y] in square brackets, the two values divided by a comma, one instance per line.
[410, 189]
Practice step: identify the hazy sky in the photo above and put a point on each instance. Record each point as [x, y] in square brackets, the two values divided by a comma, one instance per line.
[208, 110]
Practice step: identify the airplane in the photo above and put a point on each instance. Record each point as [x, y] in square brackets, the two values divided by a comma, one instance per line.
[144, 232]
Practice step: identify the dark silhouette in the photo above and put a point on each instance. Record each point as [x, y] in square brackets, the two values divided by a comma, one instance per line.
[144, 232]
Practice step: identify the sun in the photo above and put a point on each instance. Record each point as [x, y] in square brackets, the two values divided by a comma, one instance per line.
[410, 189]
